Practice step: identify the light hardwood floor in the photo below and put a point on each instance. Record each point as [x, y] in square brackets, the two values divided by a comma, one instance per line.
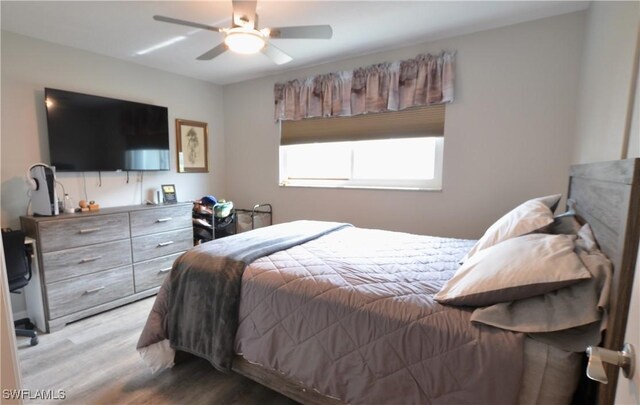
[95, 362]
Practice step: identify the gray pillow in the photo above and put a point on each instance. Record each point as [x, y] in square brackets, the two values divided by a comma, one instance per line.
[570, 318]
[517, 268]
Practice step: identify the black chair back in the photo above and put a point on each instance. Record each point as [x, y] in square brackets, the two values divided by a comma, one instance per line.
[16, 259]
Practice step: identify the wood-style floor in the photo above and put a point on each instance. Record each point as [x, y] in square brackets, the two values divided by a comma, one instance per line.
[95, 362]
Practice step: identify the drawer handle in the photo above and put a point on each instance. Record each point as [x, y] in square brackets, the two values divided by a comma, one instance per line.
[162, 244]
[164, 270]
[93, 290]
[90, 259]
[167, 219]
[89, 230]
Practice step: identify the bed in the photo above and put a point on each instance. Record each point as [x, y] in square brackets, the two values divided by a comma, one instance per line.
[330, 313]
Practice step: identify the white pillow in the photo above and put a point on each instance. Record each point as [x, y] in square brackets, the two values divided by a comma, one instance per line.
[525, 218]
[517, 268]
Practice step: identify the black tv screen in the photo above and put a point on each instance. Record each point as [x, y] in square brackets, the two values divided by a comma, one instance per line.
[91, 133]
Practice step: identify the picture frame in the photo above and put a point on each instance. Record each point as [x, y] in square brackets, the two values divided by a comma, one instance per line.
[191, 144]
[169, 194]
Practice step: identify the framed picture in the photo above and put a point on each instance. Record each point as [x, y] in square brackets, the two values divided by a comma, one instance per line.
[192, 146]
[169, 194]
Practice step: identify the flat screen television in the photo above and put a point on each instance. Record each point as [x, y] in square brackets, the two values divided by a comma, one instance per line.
[91, 133]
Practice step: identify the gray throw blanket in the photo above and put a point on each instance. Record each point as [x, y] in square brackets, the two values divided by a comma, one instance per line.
[204, 287]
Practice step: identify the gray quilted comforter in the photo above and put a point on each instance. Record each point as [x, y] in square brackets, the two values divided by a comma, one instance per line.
[351, 314]
[207, 280]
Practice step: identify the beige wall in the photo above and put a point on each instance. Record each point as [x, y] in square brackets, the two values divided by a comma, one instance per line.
[29, 65]
[507, 135]
[605, 79]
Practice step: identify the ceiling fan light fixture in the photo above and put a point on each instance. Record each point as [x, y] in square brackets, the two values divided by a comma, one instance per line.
[241, 40]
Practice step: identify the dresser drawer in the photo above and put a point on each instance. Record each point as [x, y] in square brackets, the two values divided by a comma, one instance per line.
[69, 296]
[155, 220]
[69, 233]
[161, 244]
[151, 273]
[74, 262]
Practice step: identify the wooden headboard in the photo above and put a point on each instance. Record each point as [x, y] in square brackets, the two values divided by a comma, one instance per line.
[607, 197]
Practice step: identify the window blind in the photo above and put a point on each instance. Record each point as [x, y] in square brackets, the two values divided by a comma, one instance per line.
[410, 123]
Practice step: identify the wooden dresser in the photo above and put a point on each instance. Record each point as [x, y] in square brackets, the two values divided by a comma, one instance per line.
[91, 262]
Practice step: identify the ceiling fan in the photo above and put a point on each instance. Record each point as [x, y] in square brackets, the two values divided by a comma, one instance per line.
[245, 38]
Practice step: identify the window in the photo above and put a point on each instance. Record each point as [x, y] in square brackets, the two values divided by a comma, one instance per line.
[401, 150]
[408, 163]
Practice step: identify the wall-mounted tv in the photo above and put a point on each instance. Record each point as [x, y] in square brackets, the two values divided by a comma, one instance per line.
[91, 133]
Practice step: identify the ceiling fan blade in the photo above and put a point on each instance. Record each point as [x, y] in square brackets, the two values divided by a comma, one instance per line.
[302, 32]
[244, 13]
[212, 53]
[187, 23]
[277, 55]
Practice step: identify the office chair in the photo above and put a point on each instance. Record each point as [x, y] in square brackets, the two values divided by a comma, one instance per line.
[18, 262]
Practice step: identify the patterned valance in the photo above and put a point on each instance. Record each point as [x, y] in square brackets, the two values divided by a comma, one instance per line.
[423, 80]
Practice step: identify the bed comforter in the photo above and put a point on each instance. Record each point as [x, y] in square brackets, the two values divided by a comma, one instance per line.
[351, 314]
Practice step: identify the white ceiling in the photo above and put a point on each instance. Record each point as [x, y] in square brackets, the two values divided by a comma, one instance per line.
[121, 28]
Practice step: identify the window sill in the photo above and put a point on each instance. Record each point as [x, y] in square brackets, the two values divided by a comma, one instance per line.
[359, 187]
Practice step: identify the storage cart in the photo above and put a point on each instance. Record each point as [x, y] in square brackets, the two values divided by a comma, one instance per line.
[261, 215]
